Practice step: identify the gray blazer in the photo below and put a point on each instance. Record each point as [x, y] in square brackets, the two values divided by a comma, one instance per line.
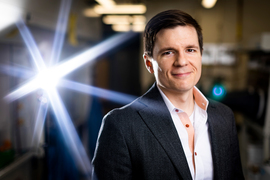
[140, 141]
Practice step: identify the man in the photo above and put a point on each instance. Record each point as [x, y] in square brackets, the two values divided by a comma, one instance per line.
[172, 131]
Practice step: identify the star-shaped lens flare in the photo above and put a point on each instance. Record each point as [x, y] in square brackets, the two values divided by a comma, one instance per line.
[48, 77]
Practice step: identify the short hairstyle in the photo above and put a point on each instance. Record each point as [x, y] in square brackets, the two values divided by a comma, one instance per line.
[168, 19]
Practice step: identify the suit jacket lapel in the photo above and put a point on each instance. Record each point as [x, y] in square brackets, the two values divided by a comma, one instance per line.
[159, 121]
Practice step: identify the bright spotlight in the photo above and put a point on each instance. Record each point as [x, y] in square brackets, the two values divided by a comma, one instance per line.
[208, 3]
[67, 66]
[48, 79]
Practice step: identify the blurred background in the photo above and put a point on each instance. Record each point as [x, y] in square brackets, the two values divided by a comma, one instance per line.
[236, 69]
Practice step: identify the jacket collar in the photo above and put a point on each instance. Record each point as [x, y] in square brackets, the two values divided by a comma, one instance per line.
[158, 119]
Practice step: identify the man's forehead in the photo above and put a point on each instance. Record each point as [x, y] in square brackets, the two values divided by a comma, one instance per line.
[163, 30]
[190, 36]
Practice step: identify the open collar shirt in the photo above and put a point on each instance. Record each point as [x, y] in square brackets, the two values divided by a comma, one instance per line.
[202, 148]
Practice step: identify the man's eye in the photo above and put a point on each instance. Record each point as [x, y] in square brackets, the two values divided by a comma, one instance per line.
[191, 50]
[167, 53]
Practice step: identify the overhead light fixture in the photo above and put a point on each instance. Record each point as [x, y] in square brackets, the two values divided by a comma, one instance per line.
[124, 19]
[9, 15]
[139, 19]
[125, 22]
[121, 9]
[107, 3]
[138, 27]
[90, 13]
[208, 3]
[116, 19]
[121, 27]
[127, 27]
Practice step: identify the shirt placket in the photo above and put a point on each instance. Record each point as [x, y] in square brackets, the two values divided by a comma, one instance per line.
[200, 128]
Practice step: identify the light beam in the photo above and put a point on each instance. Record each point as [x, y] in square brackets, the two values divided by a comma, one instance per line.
[39, 124]
[31, 45]
[60, 31]
[69, 132]
[22, 91]
[69, 65]
[16, 71]
[113, 96]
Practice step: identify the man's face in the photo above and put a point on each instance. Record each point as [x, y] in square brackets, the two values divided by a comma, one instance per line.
[176, 61]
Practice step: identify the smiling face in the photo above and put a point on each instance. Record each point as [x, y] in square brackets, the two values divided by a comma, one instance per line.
[176, 61]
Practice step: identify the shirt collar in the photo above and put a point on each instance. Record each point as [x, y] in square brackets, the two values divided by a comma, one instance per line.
[168, 103]
[200, 99]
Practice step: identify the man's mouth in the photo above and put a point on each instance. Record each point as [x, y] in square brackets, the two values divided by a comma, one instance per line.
[185, 74]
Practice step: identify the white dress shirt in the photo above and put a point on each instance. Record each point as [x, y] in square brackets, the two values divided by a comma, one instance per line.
[202, 147]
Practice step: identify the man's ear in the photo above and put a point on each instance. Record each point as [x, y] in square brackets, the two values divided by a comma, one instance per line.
[148, 63]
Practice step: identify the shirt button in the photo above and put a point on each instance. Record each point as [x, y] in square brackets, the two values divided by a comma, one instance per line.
[187, 125]
[176, 110]
[195, 154]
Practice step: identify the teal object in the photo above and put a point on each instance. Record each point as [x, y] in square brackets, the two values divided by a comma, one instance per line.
[218, 92]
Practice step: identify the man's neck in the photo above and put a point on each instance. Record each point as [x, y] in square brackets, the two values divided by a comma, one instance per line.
[181, 100]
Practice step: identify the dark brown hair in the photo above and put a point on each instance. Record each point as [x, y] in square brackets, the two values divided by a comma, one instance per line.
[168, 19]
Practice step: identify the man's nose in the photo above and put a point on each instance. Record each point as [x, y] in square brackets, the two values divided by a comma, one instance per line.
[180, 60]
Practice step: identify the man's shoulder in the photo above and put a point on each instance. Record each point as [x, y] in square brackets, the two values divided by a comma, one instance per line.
[219, 107]
[125, 111]
[134, 105]
[125, 118]
[131, 112]
[139, 103]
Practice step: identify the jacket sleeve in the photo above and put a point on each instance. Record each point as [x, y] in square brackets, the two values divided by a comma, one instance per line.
[111, 159]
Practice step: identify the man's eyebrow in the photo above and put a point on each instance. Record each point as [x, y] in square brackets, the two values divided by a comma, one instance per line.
[166, 49]
[193, 46]
[174, 49]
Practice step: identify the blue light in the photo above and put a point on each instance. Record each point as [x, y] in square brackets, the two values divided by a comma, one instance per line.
[218, 92]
